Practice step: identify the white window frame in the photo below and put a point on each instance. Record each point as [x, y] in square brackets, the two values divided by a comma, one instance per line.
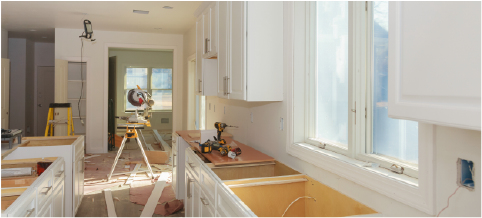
[149, 84]
[351, 162]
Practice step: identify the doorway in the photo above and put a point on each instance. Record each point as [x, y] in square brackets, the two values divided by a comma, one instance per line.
[45, 96]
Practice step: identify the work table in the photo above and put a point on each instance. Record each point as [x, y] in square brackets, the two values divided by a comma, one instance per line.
[248, 154]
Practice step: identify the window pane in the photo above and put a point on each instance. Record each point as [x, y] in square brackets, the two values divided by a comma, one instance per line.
[162, 99]
[391, 137]
[332, 72]
[161, 78]
[136, 76]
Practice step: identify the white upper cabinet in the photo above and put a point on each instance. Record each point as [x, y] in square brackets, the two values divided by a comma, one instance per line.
[435, 63]
[209, 36]
[206, 69]
[250, 59]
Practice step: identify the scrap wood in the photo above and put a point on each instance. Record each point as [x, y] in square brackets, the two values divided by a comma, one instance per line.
[110, 203]
[153, 199]
[169, 208]
[91, 156]
[149, 147]
[133, 174]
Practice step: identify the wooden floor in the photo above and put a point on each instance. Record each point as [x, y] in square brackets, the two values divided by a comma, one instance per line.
[93, 204]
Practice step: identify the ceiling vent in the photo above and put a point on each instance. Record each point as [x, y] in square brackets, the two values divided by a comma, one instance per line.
[140, 12]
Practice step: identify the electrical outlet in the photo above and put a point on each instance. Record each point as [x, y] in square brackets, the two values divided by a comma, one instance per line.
[465, 174]
[252, 117]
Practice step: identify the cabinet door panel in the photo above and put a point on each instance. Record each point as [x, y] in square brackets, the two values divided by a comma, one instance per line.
[199, 54]
[237, 77]
[196, 202]
[188, 194]
[207, 31]
[58, 204]
[213, 42]
[223, 42]
[435, 77]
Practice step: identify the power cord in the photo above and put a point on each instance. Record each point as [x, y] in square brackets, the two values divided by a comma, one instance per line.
[294, 202]
[81, 79]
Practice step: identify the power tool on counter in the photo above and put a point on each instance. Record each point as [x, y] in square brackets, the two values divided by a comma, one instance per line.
[209, 146]
[220, 127]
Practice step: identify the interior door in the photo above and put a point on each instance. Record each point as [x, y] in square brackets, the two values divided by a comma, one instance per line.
[237, 78]
[5, 93]
[45, 96]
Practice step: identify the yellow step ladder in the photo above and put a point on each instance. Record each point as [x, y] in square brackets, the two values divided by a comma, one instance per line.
[51, 122]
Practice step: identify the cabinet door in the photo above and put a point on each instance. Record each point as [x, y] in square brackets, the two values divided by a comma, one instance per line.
[213, 40]
[223, 49]
[237, 77]
[199, 54]
[434, 63]
[189, 194]
[46, 211]
[78, 181]
[206, 32]
[196, 200]
[206, 206]
[58, 200]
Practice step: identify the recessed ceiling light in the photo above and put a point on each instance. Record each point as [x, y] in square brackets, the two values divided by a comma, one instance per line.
[140, 12]
[167, 7]
[33, 30]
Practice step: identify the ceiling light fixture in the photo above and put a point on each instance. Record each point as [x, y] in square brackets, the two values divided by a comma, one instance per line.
[167, 7]
[140, 12]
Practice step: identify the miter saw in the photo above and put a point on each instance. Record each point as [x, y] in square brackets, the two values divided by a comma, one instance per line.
[142, 100]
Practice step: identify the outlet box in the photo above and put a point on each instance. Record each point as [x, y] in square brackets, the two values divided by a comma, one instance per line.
[465, 173]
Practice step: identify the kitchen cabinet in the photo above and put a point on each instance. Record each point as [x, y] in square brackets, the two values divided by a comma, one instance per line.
[434, 77]
[178, 165]
[71, 149]
[250, 44]
[44, 194]
[206, 51]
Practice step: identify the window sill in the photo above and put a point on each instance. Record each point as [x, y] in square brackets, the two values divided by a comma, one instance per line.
[400, 187]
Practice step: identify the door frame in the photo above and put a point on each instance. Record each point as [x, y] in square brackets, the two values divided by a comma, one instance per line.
[35, 110]
[177, 79]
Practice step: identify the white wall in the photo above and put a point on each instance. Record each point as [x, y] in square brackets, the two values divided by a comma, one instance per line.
[18, 60]
[44, 56]
[4, 43]
[162, 59]
[67, 45]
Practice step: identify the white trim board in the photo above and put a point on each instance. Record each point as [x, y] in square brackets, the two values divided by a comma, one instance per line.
[110, 203]
[153, 199]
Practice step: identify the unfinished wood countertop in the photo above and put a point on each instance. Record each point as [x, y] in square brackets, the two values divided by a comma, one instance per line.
[248, 155]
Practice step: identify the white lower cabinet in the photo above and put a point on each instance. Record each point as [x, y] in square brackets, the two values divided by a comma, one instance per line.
[58, 201]
[46, 211]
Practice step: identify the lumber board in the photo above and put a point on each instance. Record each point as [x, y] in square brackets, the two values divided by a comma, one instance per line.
[18, 182]
[13, 191]
[277, 182]
[110, 203]
[35, 143]
[164, 144]
[149, 147]
[37, 138]
[157, 157]
[153, 198]
[91, 156]
[7, 201]
[29, 160]
[133, 174]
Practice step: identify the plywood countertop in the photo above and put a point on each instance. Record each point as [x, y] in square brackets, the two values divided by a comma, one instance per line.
[248, 155]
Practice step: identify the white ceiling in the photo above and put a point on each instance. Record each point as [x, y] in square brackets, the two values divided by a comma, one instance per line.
[19, 17]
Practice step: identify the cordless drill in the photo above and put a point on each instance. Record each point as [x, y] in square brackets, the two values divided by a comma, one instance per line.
[209, 146]
[220, 127]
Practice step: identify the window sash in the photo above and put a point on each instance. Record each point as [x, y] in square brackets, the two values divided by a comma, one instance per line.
[359, 76]
[149, 86]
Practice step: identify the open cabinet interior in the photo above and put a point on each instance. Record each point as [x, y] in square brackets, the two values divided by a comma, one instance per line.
[14, 186]
[256, 170]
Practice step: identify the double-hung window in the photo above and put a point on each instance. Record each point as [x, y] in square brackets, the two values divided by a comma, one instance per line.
[338, 110]
[156, 81]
